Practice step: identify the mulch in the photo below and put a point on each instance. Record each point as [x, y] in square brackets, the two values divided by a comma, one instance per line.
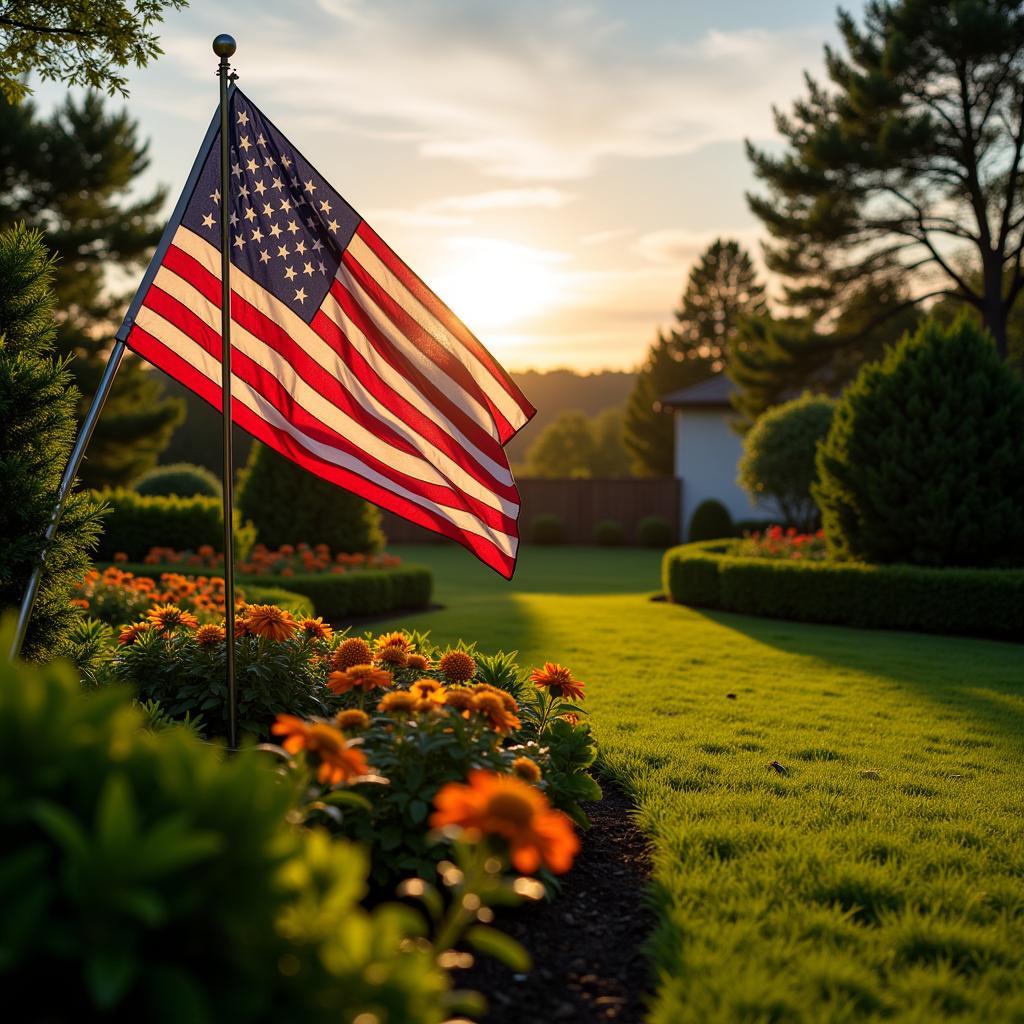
[587, 945]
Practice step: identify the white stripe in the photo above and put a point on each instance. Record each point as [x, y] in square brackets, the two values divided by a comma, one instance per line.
[298, 329]
[196, 356]
[451, 475]
[394, 287]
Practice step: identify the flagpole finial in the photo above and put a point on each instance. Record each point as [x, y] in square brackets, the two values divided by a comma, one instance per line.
[224, 45]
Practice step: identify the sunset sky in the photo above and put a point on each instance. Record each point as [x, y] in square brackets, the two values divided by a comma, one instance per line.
[550, 168]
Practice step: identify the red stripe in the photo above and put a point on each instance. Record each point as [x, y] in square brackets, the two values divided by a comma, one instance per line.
[156, 352]
[440, 311]
[270, 387]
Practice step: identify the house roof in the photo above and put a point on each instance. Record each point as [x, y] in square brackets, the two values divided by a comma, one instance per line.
[714, 392]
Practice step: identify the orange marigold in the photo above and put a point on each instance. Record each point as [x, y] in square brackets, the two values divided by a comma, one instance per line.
[429, 690]
[461, 699]
[129, 634]
[457, 667]
[571, 717]
[558, 681]
[353, 720]
[526, 769]
[207, 636]
[393, 656]
[506, 807]
[166, 617]
[316, 628]
[358, 677]
[401, 702]
[339, 761]
[494, 709]
[353, 651]
[419, 662]
[399, 640]
[270, 621]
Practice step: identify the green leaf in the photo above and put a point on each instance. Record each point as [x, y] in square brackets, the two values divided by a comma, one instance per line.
[499, 945]
[108, 974]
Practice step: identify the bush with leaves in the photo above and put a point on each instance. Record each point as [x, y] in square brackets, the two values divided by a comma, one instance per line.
[37, 430]
[654, 532]
[609, 533]
[778, 460]
[711, 521]
[924, 462]
[178, 478]
[160, 881]
[547, 529]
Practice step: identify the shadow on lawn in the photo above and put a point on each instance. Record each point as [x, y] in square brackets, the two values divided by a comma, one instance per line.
[981, 678]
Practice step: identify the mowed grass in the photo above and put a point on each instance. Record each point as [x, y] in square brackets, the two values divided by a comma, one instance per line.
[879, 878]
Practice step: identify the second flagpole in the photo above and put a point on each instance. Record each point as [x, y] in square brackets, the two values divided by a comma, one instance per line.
[224, 47]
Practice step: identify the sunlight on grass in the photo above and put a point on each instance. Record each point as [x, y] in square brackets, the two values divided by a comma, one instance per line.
[878, 876]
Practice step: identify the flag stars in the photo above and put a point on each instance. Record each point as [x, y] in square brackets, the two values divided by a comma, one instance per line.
[325, 206]
[244, 191]
[260, 141]
[250, 214]
[282, 251]
[292, 227]
[269, 161]
[243, 118]
[268, 210]
[208, 221]
[286, 162]
[239, 242]
[300, 247]
[275, 231]
[307, 269]
[234, 219]
[244, 143]
[236, 170]
[286, 205]
[215, 195]
[309, 186]
[321, 268]
[300, 294]
[264, 256]
[260, 187]
[251, 166]
[290, 274]
[257, 235]
[333, 226]
[277, 183]
[317, 245]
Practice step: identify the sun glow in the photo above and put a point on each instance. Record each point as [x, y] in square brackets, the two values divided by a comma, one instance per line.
[495, 284]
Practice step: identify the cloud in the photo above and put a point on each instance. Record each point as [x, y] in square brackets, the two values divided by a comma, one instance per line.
[506, 199]
[676, 246]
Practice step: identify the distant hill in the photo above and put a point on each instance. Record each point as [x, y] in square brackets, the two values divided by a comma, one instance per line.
[198, 438]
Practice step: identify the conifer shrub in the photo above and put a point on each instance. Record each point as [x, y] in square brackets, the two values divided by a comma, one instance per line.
[924, 462]
[711, 521]
[287, 504]
[182, 478]
[37, 430]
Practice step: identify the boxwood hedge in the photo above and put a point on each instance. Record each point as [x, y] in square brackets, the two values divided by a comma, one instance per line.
[967, 602]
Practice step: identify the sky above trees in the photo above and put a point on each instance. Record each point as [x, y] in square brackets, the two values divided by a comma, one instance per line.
[552, 169]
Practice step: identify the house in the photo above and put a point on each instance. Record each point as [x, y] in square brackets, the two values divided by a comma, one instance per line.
[707, 450]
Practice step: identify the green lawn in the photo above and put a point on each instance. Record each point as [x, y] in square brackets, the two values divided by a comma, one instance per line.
[880, 878]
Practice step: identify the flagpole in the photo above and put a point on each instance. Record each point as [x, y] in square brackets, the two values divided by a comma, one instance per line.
[224, 47]
[67, 480]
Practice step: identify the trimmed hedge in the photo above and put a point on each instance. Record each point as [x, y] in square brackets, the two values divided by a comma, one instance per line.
[178, 478]
[966, 602]
[136, 523]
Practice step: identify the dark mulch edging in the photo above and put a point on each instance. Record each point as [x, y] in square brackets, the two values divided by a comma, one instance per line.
[588, 964]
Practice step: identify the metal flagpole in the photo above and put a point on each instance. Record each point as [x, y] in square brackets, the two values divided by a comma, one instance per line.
[70, 472]
[224, 47]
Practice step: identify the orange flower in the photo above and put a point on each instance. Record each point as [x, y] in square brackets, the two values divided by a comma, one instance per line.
[129, 634]
[419, 662]
[457, 667]
[399, 640]
[461, 699]
[493, 708]
[316, 628]
[558, 681]
[429, 690]
[167, 617]
[353, 651]
[120, 556]
[571, 717]
[507, 807]
[526, 769]
[400, 702]
[78, 602]
[338, 760]
[270, 621]
[353, 720]
[358, 677]
[208, 636]
[393, 656]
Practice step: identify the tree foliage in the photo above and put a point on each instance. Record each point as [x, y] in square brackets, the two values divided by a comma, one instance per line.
[73, 176]
[722, 288]
[910, 155]
[37, 413]
[924, 462]
[778, 460]
[77, 42]
[576, 445]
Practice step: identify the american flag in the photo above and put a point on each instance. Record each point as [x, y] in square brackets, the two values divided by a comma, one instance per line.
[342, 359]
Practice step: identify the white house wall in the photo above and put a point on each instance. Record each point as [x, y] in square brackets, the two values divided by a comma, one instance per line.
[707, 451]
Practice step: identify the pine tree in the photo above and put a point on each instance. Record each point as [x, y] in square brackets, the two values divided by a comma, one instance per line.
[721, 290]
[70, 175]
[37, 410]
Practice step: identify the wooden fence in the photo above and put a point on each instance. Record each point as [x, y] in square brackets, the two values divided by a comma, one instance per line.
[580, 504]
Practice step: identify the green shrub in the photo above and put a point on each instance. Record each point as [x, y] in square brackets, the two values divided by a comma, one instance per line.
[609, 533]
[38, 407]
[654, 532]
[547, 529]
[298, 604]
[178, 478]
[146, 877]
[966, 602]
[778, 460]
[288, 504]
[925, 459]
[710, 521]
[136, 523]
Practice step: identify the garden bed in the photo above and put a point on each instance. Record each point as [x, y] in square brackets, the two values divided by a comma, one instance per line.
[965, 602]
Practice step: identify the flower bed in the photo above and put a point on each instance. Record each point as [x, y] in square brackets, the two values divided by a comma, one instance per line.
[967, 602]
[776, 542]
[287, 560]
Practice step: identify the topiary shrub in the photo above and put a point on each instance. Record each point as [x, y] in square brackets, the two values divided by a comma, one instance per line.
[654, 532]
[609, 533]
[547, 529]
[925, 459]
[778, 460]
[37, 430]
[160, 880]
[287, 504]
[711, 521]
[179, 478]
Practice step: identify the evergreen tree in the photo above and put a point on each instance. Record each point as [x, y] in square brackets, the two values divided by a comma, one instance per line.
[70, 176]
[37, 410]
[721, 290]
[914, 151]
[576, 445]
